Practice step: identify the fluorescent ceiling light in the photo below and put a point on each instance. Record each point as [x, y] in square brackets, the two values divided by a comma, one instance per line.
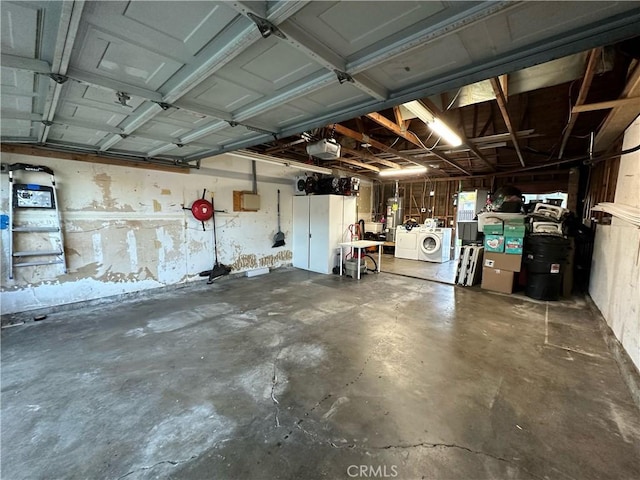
[258, 157]
[434, 123]
[394, 172]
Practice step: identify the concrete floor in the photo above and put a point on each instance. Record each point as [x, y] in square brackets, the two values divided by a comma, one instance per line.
[300, 375]
[439, 272]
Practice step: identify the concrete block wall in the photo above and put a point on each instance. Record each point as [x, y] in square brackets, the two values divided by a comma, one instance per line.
[615, 273]
[125, 229]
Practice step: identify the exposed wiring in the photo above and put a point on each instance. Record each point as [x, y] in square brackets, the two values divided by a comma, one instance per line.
[596, 160]
[454, 99]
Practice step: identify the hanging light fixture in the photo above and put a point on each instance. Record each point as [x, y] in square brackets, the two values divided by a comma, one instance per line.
[434, 123]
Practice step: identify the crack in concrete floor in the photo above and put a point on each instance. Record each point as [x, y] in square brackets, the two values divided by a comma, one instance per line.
[170, 462]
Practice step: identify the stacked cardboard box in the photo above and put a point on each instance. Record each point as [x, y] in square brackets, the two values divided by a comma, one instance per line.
[503, 244]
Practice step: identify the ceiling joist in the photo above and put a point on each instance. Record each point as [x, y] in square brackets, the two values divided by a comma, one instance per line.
[411, 137]
[631, 101]
[621, 116]
[594, 56]
[461, 133]
[502, 105]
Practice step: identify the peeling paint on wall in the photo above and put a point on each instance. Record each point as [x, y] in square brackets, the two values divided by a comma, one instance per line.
[112, 248]
[251, 261]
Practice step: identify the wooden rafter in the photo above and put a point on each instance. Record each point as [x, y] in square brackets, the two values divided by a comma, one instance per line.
[621, 116]
[347, 132]
[463, 136]
[605, 105]
[356, 163]
[502, 105]
[402, 123]
[371, 158]
[411, 137]
[285, 146]
[594, 55]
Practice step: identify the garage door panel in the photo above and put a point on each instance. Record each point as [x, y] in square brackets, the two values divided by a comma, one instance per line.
[183, 118]
[137, 144]
[347, 27]
[19, 29]
[530, 23]
[222, 94]
[213, 140]
[76, 95]
[17, 103]
[269, 65]
[193, 24]
[91, 114]
[117, 58]
[430, 61]
[182, 151]
[19, 80]
[83, 136]
[337, 96]
[282, 116]
[162, 129]
[17, 128]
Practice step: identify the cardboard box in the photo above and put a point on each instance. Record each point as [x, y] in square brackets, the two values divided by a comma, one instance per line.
[514, 231]
[497, 280]
[493, 228]
[513, 245]
[502, 261]
[494, 243]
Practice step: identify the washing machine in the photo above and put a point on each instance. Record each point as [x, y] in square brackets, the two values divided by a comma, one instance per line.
[434, 244]
[406, 243]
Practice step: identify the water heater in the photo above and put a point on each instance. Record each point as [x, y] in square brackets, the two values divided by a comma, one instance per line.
[395, 215]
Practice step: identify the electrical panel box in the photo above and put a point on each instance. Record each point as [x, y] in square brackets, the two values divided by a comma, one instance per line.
[245, 201]
[250, 201]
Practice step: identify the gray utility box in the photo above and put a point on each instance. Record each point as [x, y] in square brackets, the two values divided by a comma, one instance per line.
[351, 267]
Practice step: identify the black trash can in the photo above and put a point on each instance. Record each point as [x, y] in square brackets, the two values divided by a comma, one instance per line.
[544, 286]
[545, 257]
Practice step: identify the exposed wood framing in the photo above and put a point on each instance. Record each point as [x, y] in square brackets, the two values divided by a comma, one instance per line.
[490, 121]
[502, 104]
[402, 123]
[504, 84]
[356, 163]
[594, 56]
[371, 158]
[91, 158]
[463, 136]
[347, 132]
[284, 147]
[621, 116]
[474, 131]
[389, 125]
[631, 101]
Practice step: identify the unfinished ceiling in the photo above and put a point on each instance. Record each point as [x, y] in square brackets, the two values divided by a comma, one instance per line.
[180, 81]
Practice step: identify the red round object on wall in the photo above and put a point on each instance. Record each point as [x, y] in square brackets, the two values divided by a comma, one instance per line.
[202, 210]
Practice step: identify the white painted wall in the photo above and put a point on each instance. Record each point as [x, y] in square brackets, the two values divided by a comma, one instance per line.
[125, 229]
[615, 271]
